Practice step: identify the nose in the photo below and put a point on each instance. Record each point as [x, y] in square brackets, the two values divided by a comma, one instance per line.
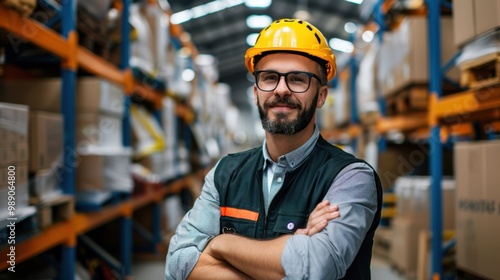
[282, 87]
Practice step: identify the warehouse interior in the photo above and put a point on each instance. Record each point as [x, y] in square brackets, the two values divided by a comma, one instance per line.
[113, 111]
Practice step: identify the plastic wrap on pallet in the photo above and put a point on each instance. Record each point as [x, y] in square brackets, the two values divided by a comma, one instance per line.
[45, 184]
[13, 122]
[413, 200]
[142, 56]
[168, 169]
[159, 24]
[366, 80]
[104, 169]
[481, 46]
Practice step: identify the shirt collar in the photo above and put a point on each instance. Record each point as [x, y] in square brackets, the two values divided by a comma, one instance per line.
[296, 157]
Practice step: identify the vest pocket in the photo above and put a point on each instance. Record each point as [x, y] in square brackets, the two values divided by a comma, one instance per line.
[238, 226]
[289, 223]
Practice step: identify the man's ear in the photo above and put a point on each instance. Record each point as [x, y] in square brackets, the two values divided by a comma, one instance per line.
[323, 92]
[255, 101]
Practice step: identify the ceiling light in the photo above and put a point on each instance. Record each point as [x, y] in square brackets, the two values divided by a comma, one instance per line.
[181, 17]
[252, 38]
[341, 45]
[188, 75]
[258, 21]
[355, 1]
[203, 10]
[367, 36]
[350, 27]
[302, 14]
[258, 3]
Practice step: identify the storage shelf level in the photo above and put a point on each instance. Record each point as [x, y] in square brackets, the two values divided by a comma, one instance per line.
[66, 232]
[56, 44]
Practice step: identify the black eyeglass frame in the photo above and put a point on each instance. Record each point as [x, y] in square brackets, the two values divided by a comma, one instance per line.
[309, 74]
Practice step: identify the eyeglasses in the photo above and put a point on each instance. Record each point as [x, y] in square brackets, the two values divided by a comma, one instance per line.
[296, 81]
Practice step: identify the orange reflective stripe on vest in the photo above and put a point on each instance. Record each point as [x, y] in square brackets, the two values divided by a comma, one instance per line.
[239, 213]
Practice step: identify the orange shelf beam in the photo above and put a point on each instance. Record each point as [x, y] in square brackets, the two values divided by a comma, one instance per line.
[402, 122]
[352, 130]
[49, 238]
[465, 103]
[33, 31]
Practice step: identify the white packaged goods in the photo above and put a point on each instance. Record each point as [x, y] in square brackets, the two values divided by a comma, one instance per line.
[487, 44]
[365, 82]
[104, 169]
[13, 123]
[142, 56]
[98, 130]
[403, 58]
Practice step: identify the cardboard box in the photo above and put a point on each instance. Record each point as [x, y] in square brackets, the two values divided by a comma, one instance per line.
[92, 95]
[478, 207]
[99, 130]
[464, 25]
[404, 54]
[403, 251]
[46, 139]
[7, 154]
[472, 18]
[487, 15]
[21, 174]
[108, 171]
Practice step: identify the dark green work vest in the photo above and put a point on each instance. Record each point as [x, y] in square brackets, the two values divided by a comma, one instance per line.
[238, 179]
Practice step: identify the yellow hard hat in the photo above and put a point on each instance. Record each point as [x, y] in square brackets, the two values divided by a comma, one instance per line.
[292, 35]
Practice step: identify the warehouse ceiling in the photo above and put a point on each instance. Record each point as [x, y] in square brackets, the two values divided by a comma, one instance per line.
[223, 34]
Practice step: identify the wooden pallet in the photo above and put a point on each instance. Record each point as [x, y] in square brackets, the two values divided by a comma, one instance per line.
[482, 72]
[55, 209]
[409, 100]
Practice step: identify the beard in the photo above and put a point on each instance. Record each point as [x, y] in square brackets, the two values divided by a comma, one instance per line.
[283, 125]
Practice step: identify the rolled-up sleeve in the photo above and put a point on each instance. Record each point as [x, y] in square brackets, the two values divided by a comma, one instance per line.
[194, 232]
[329, 253]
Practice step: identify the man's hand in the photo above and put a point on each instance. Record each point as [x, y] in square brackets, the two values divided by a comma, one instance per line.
[319, 218]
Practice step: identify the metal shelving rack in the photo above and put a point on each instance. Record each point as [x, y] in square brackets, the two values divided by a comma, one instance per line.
[65, 46]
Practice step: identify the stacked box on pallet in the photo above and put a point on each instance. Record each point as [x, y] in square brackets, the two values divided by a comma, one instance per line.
[473, 18]
[14, 163]
[103, 164]
[413, 216]
[404, 54]
[46, 154]
[477, 33]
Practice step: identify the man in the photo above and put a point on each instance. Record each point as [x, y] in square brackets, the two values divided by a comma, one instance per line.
[295, 208]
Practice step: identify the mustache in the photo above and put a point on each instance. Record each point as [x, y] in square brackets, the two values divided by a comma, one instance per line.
[281, 100]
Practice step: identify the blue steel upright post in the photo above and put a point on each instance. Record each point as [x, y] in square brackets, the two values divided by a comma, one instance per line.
[436, 155]
[126, 221]
[353, 94]
[382, 105]
[68, 109]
